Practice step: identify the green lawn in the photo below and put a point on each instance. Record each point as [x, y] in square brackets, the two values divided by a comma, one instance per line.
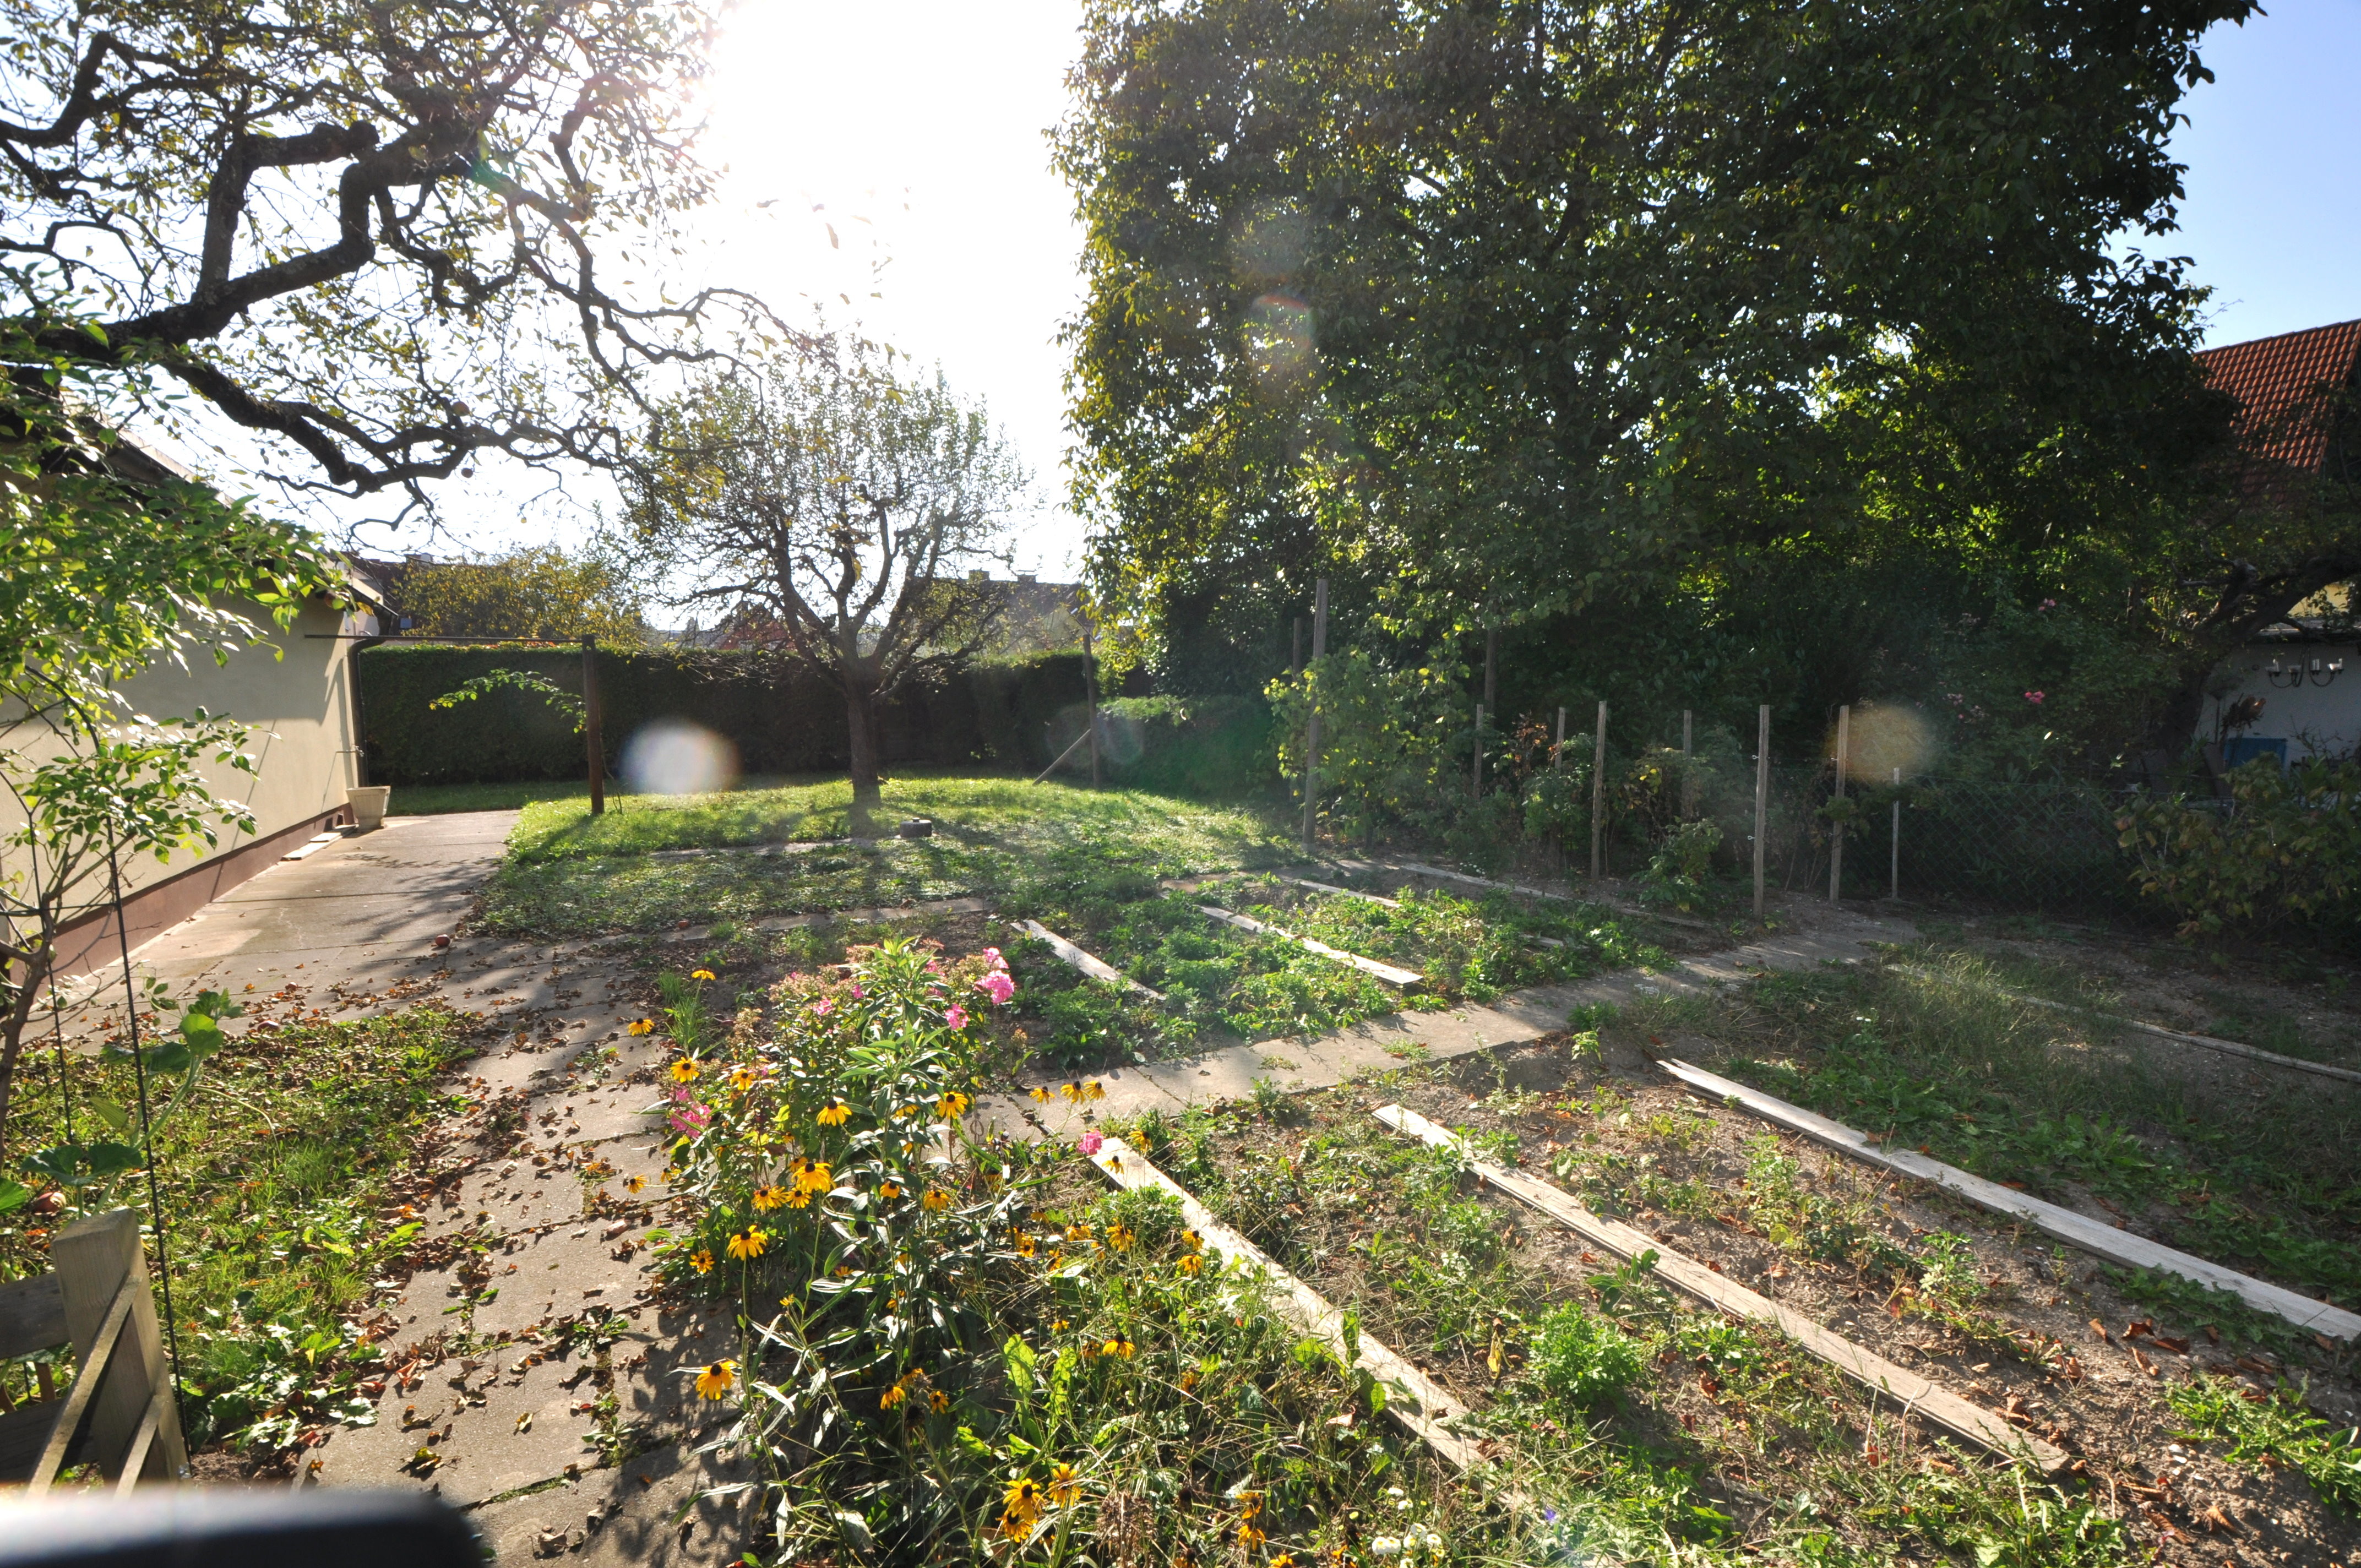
[783, 850]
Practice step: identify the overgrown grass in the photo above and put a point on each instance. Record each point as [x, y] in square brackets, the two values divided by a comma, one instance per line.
[434, 800]
[275, 1181]
[570, 873]
[2278, 1428]
[2266, 1180]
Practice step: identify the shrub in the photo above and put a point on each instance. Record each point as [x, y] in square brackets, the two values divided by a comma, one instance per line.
[2290, 847]
[1582, 1361]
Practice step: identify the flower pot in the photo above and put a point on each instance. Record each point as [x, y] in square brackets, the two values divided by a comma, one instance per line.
[367, 805]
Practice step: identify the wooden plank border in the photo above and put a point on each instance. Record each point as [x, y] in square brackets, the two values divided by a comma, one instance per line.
[1075, 958]
[2079, 1230]
[1413, 1398]
[2204, 1042]
[1916, 1395]
[1403, 978]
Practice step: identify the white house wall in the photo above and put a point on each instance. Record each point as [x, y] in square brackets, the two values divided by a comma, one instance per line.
[2312, 719]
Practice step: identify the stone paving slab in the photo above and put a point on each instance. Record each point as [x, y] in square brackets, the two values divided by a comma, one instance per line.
[488, 1451]
[653, 1512]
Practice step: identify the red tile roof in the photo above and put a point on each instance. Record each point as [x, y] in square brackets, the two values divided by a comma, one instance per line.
[2285, 385]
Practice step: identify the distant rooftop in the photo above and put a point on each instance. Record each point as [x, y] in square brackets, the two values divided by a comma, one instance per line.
[2289, 389]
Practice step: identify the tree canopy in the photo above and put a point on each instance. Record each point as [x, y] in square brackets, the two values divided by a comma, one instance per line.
[542, 590]
[1513, 310]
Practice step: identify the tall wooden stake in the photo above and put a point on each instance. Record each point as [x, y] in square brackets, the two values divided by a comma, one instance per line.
[1762, 801]
[590, 741]
[1836, 840]
[1895, 891]
[1312, 736]
[1091, 690]
[1688, 785]
[1557, 753]
[1295, 652]
[1599, 795]
[1475, 786]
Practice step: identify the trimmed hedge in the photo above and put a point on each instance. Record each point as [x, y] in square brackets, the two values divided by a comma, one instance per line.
[1014, 716]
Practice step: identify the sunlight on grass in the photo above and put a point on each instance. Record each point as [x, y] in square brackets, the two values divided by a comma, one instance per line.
[569, 872]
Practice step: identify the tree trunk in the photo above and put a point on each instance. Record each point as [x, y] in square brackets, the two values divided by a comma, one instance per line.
[861, 731]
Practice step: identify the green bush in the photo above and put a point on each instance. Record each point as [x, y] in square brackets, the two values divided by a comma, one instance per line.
[2289, 848]
[1194, 746]
[1582, 1361]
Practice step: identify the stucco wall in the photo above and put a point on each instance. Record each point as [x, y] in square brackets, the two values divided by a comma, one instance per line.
[2311, 719]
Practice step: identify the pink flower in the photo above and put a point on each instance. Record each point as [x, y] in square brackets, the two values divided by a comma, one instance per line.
[690, 1118]
[934, 966]
[824, 1006]
[1088, 1143]
[2035, 698]
[956, 1017]
[859, 994]
[998, 986]
[992, 955]
[2049, 604]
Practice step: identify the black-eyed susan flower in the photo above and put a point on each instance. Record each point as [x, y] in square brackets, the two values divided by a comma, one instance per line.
[717, 1380]
[835, 1113]
[644, 1026]
[1120, 1346]
[748, 1243]
[700, 974]
[1072, 1090]
[1065, 1486]
[1250, 1534]
[936, 1200]
[899, 1391]
[952, 1105]
[811, 1175]
[1023, 1499]
[686, 1069]
[1189, 1263]
[635, 1184]
[1120, 1236]
[1026, 1246]
[1078, 1231]
[799, 1198]
[768, 1198]
[701, 1261]
[1094, 1090]
[742, 1079]
[1192, 1242]
[1040, 1095]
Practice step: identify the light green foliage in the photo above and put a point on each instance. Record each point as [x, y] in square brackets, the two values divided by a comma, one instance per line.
[1389, 735]
[2288, 849]
[529, 682]
[1583, 1361]
[540, 591]
[1677, 872]
[2278, 1427]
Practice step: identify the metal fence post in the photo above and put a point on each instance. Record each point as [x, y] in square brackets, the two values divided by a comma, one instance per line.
[1761, 800]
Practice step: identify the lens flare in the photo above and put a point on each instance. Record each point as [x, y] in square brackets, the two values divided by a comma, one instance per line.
[1886, 737]
[672, 756]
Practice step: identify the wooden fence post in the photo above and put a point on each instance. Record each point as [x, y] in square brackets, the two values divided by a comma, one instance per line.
[1599, 793]
[1311, 735]
[1895, 891]
[1836, 840]
[591, 718]
[95, 1259]
[1557, 753]
[1091, 695]
[1688, 785]
[1476, 789]
[1762, 801]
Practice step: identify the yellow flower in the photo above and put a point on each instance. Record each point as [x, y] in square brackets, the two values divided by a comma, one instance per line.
[1120, 1236]
[701, 1261]
[716, 1381]
[635, 1184]
[799, 1198]
[1192, 1242]
[1025, 1247]
[812, 1175]
[1119, 1345]
[889, 1190]
[1248, 1535]
[1094, 1090]
[952, 1105]
[937, 1401]
[1023, 1499]
[1064, 1486]
[1079, 1231]
[1060, 1326]
[835, 1113]
[644, 1026]
[1284, 1560]
[1190, 1264]
[700, 974]
[686, 1069]
[896, 1394]
[748, 1243]
[1041, 1096]
[743, 1079]
[1072, 1091]
[936, 1200]
[769, 1197]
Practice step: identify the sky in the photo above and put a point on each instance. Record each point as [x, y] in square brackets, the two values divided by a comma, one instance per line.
[888, 160]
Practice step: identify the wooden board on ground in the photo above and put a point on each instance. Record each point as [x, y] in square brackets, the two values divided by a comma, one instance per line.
[2105, 1241]
[1387, 972]
[1419, 868]
[1412, 1397]
[2205, 1042]
[1343, 892]
[1915, 1394]
[1074, 958]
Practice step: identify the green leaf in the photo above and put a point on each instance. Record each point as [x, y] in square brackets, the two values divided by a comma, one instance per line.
[13, 1195]
[108, 1111]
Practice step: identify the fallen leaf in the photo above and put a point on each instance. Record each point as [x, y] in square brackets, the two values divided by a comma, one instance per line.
[2099, 1329]
[2212, 1517]
[524, 1421]
[2142, 1362]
